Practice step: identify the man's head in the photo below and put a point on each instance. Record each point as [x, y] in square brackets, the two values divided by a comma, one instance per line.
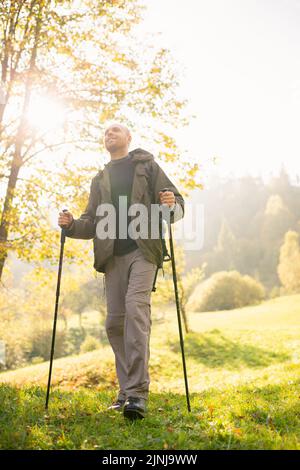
[117, 139]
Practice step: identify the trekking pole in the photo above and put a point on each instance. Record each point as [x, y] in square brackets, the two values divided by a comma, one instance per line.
[62, 242]
[166, 256]
[178, 310]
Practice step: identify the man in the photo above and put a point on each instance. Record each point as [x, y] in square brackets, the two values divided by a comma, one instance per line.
[129, 263]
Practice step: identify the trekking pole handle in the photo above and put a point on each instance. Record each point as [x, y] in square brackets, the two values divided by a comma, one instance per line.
[63, 234]
[165, 190]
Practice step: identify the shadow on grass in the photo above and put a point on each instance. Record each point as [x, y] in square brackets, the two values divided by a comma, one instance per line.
[213, 349]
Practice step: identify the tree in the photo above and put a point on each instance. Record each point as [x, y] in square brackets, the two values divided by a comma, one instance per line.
[67, 68]
[226, 249]
[277, 220]
[186, 286]
[289, 263]
[250, 217]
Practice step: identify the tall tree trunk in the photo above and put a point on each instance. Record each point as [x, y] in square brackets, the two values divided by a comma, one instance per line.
[182, 303]
[7, 79]
[19, 142]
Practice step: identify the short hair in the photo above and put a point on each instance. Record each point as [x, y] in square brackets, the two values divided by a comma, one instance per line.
[125, 128]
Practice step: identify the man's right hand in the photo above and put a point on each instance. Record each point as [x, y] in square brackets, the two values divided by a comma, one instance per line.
[65, 219]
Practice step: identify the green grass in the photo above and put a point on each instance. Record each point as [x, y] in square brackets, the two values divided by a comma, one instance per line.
[244, 378]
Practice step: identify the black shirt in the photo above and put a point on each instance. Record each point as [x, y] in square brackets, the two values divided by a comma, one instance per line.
[121, 173]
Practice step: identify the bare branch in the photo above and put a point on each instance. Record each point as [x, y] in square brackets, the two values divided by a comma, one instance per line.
[51, 146]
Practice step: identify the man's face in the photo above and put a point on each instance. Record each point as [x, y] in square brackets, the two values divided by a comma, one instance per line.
[116, 137]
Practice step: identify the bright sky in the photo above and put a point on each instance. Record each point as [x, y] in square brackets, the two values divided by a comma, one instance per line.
[242, 78]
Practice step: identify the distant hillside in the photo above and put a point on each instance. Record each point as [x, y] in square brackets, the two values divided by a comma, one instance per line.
[245, 343]
[245, 220]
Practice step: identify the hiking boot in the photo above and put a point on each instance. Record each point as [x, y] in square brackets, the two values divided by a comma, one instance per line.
[117, 405]
[135, 408]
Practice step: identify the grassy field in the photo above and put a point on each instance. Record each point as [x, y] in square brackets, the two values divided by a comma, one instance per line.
[244, 378]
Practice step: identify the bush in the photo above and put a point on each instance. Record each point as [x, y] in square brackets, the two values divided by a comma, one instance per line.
[75, 338]
[224, 291]
[40, 340]
[17, 347]
[89, 344]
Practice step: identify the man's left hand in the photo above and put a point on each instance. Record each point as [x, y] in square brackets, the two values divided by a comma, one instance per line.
[167, 197]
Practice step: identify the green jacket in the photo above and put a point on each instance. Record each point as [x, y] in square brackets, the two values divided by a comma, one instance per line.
[148, 180]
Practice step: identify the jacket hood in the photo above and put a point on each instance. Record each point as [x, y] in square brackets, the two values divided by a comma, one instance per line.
[141, 155]
[138, 155]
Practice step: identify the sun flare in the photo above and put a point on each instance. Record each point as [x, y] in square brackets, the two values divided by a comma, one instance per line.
[45, 114]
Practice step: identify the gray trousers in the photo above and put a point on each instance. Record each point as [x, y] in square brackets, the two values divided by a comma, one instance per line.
[129, 279]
